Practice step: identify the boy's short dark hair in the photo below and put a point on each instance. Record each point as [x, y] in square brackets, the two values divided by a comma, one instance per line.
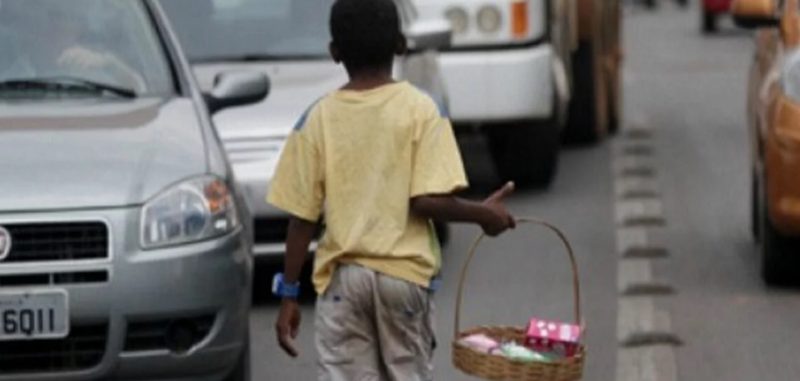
[366, 33]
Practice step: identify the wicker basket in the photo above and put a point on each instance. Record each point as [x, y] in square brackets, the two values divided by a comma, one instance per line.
[499, 368]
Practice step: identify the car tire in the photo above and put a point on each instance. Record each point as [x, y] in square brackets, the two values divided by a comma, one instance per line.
[755, 201]
[587, 118]
[776, 268]
[526, 154]
[242, 370]
[709, 22]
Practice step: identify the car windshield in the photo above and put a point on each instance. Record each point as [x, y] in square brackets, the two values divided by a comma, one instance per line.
[59, 48]
[225, 30]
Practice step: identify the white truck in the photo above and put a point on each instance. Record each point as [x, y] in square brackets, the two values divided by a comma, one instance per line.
[510, 74]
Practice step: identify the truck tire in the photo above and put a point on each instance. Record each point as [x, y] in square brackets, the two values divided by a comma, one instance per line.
[587, 119]
[709, 22]
[755, 201]
[614, 73]
[526, 153]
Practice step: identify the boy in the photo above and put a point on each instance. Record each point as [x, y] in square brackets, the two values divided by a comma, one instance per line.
[381, 161]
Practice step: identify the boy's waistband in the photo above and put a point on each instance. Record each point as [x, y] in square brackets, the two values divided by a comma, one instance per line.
[433, 286]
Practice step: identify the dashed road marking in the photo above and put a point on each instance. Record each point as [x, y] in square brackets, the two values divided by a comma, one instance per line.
[639, 194]
[645, 252]
[635, 187]
[647, 364]
[639, 171]
[639, 212]
[648, 289]
[629, 238]
[639, 150]
[644, 331]
[631, 272]
[645, 221]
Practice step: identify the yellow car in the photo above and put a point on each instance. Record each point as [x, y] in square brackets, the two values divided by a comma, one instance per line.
[774, 113]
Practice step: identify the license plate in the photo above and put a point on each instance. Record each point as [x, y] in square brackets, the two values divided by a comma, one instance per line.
[34, 315]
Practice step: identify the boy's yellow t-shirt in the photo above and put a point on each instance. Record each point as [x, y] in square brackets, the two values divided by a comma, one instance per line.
[358, 157]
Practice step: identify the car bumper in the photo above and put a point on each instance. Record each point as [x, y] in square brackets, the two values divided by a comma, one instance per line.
[782, 160]
[717, 6]
[500, 85]
[209, 280]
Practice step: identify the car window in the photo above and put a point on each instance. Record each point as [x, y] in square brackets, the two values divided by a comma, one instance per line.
[236, 30]
[239, 29]
[108, 42]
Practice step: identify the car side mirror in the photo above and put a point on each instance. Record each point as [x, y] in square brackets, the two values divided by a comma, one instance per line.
[236, 88]
[429, 34]
[753, 14]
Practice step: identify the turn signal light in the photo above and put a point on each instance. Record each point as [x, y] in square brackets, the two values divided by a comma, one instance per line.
[519, 19]
[217, 195]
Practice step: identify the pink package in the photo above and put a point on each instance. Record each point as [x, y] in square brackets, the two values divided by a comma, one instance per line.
[560, 338]
[481, 343]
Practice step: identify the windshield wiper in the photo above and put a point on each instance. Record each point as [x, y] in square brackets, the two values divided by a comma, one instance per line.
[66, 84]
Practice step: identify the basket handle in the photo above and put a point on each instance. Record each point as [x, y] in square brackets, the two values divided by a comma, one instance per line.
[533, 221]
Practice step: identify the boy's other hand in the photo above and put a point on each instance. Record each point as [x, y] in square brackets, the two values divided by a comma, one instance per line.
[288, 326]
[500, 219]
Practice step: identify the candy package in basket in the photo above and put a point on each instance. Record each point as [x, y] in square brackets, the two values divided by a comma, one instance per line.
[548, 336]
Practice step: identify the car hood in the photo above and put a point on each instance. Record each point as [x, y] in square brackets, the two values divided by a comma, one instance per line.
[254, 135]
[95, 153]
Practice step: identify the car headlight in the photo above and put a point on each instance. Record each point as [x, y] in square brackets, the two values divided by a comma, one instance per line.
[194, 210]
[459, 19]
[790, 75]
[489, 19]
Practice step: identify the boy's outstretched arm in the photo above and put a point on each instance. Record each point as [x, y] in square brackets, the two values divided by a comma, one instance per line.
[298, 240]
[491, 214]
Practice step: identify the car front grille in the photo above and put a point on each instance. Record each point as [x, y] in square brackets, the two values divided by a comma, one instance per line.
[57, 241]
[54, 279]
[270, 230]
[82, 349]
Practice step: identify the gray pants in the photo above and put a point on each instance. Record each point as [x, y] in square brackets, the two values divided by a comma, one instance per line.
[374, 327]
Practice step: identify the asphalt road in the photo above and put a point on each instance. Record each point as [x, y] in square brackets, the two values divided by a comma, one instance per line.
[690, 89]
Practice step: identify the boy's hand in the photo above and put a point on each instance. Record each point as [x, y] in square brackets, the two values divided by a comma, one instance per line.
[500, 220]
[288, 325]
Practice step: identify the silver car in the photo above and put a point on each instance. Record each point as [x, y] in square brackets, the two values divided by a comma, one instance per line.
[125, 250]
[287, 40]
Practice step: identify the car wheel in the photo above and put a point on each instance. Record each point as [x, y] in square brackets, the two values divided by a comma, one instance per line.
[775, 266]
[755, 201]
[526, 154]
[242, 370]
[587, 118]
[709, 22]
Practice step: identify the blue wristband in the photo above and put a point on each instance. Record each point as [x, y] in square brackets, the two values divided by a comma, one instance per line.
[284, 290]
